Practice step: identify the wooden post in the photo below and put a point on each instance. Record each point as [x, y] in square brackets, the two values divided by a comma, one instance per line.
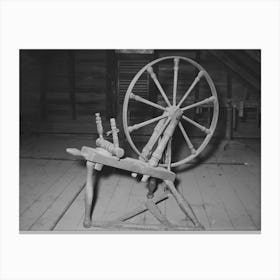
[234, 124]
[229, 122]
[229, 110]
[241, 109]
[89, 191]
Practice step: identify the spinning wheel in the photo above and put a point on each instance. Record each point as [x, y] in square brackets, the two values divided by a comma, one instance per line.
[171, 108]
[155, 158]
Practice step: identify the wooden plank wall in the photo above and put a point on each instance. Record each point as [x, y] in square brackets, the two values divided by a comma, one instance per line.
[60, 90]
[30, 86]
[67, 86]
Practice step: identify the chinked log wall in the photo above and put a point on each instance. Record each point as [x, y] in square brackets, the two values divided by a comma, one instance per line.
[60, 90]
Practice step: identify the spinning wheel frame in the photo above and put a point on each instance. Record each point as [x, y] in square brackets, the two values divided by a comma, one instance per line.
[209, 131]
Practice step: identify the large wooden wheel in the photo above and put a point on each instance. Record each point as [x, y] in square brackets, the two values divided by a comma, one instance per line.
[170, 107]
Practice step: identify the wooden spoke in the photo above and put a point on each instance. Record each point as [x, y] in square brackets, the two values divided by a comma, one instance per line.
[154, 77]
[168, 154]
[196, 80]
[175, 81]
[145, 101]
[142, 124]
[205, 101]
[187, 139]
[199, 126]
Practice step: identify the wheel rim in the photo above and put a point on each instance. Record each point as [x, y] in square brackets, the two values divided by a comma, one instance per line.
[214, 120]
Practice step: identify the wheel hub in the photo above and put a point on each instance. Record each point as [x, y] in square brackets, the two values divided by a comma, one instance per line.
[174, 112]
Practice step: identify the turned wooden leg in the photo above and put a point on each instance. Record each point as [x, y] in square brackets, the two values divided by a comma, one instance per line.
[89, 190]
[184, 205]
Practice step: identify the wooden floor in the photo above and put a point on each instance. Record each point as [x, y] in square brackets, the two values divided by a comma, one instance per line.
[224, 193]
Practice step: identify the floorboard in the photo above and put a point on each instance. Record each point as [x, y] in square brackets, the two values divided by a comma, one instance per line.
[216, 210]
[193, 195]
[234, 207]
[43, 202]
[73, 217]
[224, 191]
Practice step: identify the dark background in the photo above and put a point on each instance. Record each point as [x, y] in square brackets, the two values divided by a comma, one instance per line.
[60, 90]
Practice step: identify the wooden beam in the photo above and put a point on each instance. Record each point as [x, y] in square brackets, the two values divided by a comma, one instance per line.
[254, 54]
[251, 65]
[237, 69]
